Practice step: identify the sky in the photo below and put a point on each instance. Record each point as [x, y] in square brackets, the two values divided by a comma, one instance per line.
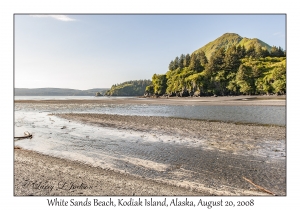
[32, 31]
[97, 51]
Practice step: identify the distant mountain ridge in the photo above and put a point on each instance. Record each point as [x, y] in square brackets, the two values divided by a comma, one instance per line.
[57, 92]
[231, 39]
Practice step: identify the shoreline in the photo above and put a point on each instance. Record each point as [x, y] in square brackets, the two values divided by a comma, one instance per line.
[222, 100]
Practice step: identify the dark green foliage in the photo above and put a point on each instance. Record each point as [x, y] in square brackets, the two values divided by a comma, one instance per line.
[181, 61]
[187, 60]
[272, 77]
[149, 90]
[277, 52]
[251, 51]
[232, 59]
[129, 88]
[230, 71]
[244, 79]
[241, 51]
[159, 82]
[217, 62]
[195, 63]
[261, 53]
[172, 66]
[98, 94]
[202, 57]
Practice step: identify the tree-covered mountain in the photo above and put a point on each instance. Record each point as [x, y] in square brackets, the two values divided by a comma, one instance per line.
[235, 65]
[228, 40]
[129, 88]
[57, 92]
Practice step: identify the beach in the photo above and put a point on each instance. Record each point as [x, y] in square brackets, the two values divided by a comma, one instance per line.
[188, 156]
[42, 175]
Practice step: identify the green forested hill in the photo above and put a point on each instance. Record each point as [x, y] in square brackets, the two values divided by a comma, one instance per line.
[230, 65]
[129, 88]
[228, 40]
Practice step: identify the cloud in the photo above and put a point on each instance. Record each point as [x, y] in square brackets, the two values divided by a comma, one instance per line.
[280, 34]
[57, 17]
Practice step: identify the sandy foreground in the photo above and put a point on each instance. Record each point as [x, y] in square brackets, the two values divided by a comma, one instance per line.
[42, 175]
[225, 154]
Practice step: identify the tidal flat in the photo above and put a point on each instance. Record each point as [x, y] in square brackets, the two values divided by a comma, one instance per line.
[103, 153]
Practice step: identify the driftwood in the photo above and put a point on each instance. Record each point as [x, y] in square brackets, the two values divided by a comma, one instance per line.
[27, 135]
[259, 187]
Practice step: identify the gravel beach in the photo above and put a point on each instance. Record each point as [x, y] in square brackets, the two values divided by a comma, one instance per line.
[200, 157]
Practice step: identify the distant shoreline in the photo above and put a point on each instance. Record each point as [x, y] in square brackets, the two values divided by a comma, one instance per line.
[222, 100]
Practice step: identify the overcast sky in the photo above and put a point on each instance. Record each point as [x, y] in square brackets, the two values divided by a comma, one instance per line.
[97, 51]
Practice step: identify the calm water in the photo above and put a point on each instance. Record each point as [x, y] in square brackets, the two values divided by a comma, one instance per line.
[274, 115]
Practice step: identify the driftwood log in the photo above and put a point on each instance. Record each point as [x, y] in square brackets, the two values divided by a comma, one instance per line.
[259, 187]
[27, 135]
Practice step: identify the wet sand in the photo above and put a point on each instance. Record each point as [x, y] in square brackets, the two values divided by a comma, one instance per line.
[212, 160]
[42, 175]
[229, 137]
[206, 156]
